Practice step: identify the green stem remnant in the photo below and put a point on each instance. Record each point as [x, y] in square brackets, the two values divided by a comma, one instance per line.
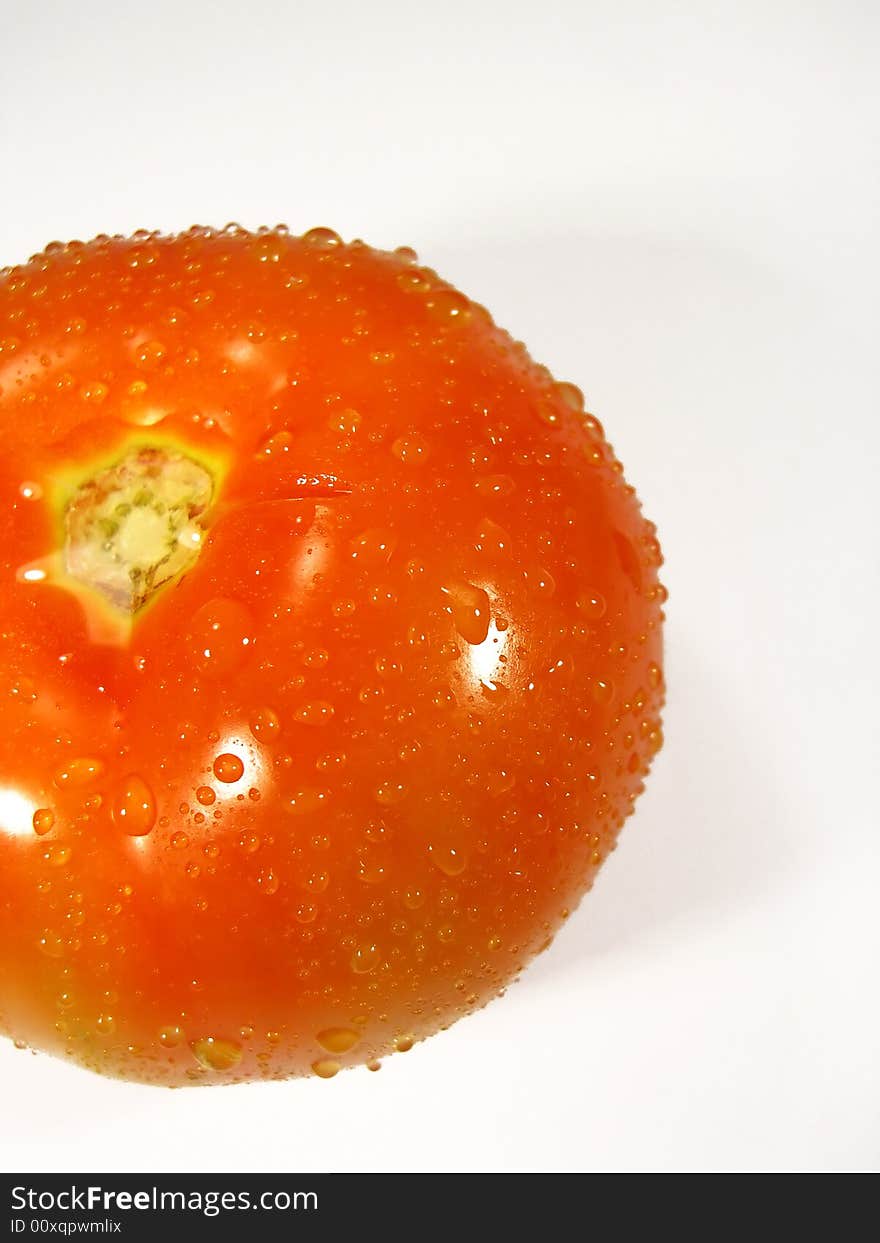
[136, 525]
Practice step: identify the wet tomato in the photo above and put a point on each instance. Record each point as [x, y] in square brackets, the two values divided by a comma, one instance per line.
[331, 655]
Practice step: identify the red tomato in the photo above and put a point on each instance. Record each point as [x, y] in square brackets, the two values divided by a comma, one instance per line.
[331, 654]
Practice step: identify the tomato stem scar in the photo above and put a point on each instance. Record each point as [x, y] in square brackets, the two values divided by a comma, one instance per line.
[136, 525]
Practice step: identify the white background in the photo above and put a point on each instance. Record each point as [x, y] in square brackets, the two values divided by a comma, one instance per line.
[676, 206]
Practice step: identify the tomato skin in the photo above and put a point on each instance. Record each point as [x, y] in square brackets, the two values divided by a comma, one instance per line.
[337, 782]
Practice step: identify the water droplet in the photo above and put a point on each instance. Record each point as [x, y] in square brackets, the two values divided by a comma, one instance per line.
[205, 795]
[220, 636]
[57, 855]
[450, 860]
[149, 354]
[571, 395]
[387, 667]
[346, 422]
[24, 691]
[495, 485]
[602, 690]
[51, 944]
[318, 881]
[134, 808]
[305, 801]
[365, 958]
[374, 1064]
[106, 1024]
[44, 820]
[317, 658]
[375, 546]
[338, 1039]
[265, 726]
[228, 768]
[404, 1043]
[389, 793]
[655, 676]
[326, 1068]
[547, 412]
[216, 1054]
[324, 239]
[79, 773]
[411, 450]
[268, 882]
[179, 841]
[318, 712]
[500, 781]
[469, 606]
[448, 304]
[591, 604]
[94, 392]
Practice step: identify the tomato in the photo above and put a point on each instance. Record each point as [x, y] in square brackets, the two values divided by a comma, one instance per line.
[331, 654]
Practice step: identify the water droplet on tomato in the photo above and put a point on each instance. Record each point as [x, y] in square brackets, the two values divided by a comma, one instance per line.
[216, 1054]
[134, 808]
[450, 860]
[365, 958]
[57, 855]
[571, 395]
[469, 606]
[375, 546]
[318, 712]
[602, 690]
[220, 636]
[265, 726]
[44, 820]
[228, 768]
[268, 882]
[51, 944]
[389, 793]
[326, 1068]
[79, 773]
[305, 800]
[495, 486]
[94, 392]
[324, 239]
[591, 604]
[346, 422]
[500, 781]
[448, 304]
[404, 1043]
[338, 1039]
[411, 450]
[149, 354]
